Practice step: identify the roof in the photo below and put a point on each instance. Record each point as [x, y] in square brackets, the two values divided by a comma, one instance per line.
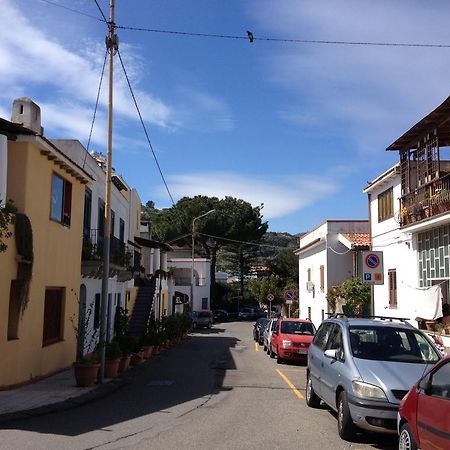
[358, 239]
[11, 129]
[437, 119]
[383, 178]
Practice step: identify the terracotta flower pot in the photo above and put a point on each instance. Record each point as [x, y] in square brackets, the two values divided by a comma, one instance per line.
[86, 374]
[136, 358]
[124, 363]
[148, 349]
[112, 367]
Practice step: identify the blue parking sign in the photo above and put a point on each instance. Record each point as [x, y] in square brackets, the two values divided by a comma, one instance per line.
[367, 277]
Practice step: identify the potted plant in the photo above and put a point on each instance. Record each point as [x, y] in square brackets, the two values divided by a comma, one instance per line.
[87, 364]
[113, 355]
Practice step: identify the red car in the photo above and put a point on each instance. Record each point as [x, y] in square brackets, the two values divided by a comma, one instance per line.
[424, 415]
[291, 339]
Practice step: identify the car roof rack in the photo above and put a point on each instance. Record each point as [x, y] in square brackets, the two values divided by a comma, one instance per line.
[365, 316]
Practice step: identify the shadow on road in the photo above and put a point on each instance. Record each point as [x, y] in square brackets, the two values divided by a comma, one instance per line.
[192, 370]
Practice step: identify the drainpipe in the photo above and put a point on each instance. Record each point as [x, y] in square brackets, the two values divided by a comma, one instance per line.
[3, 168]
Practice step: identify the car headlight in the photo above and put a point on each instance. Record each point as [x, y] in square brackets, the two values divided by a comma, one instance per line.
[286, 344]
[367, 390]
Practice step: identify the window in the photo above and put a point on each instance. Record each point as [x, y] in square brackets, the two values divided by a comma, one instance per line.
[61, 200]
[101, 220]
[87, 213]
[53, 311]
[386, 205]
[205, 303]
[335, 342]
[440, 382]
[322, 335]
[322, 278]
[121, 230]
[113, 222]
[392, 278]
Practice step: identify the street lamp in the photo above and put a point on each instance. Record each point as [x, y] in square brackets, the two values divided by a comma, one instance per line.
[191, 302]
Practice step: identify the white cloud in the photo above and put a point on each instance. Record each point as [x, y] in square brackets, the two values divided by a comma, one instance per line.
[281, 195]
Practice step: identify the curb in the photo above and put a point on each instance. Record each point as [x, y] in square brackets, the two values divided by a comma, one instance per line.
[72, 402]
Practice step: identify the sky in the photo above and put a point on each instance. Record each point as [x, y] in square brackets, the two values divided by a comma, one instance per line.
[298, 127]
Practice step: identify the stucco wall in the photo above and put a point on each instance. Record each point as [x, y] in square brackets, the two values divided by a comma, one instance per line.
[57, 255]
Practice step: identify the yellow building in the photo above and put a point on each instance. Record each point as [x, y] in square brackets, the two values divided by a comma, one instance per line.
[38, 287]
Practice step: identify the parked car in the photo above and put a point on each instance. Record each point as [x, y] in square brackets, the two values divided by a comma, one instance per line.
[220, 315]
[247, 314]
[424, 415]
[268, 336]
[202, 319]
[291, 339]
[258, 329]
[362, 368]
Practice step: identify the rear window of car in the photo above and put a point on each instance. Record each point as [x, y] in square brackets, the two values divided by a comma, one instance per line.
[291, 327]
[391, 344]
[204, 314]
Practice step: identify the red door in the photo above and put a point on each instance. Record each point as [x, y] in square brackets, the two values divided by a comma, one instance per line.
[433, 412]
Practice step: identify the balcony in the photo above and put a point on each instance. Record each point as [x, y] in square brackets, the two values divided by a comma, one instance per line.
[427, 201]
[123, 260]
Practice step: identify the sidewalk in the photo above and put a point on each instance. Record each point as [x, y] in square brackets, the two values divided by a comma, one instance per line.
[56, 393]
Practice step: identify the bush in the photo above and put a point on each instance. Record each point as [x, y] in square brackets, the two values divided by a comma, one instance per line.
[112, 350]
[355, 292]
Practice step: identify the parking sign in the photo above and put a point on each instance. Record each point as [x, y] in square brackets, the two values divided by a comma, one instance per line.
[372, 263]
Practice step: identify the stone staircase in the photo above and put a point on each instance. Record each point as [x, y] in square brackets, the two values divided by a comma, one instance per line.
[142, 310]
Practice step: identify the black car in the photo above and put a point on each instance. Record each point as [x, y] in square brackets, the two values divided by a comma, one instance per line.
[258, 329]
[220, 315]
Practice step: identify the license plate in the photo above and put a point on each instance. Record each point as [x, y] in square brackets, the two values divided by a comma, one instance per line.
[302, 352]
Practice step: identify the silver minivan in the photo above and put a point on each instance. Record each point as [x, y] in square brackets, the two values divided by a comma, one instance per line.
[362, 368]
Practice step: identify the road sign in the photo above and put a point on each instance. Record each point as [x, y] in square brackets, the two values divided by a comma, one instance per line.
[372, 263]
[289, 296]
[270, 297]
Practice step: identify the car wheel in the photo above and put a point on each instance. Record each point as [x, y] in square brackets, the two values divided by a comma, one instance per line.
[271, 353]
[346, 427]
[406, 440]
[264, 348]
[312, 399]
[209, 325]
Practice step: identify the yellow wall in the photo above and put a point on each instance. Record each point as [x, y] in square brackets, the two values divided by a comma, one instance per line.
[57, 258]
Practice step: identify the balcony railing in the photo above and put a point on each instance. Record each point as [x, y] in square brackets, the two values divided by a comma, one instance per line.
[119, 253]
[425, 202]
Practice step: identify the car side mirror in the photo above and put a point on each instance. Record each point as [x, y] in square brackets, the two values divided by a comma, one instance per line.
[425, 385]
[331, 353]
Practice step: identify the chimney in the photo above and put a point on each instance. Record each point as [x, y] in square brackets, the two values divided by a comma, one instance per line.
[25, 112]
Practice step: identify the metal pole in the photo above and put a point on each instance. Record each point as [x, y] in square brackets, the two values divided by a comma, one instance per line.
[191, 303]
[111, 45]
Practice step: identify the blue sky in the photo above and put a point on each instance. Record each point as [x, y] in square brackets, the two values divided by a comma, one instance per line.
[298, 127]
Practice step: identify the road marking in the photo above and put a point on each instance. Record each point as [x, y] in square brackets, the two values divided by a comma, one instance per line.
[290, 384]
[256, 347]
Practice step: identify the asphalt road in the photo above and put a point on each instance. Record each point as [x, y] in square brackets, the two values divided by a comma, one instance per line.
[215, 390]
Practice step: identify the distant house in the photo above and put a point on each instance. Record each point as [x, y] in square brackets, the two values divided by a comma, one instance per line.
[40, 271]
[328, 255]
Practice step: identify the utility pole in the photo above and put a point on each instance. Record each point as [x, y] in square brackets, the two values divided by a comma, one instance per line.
[112, 47]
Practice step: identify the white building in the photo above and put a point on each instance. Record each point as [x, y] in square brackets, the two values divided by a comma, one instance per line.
[124, 252]
[180, 262]
[328, 255]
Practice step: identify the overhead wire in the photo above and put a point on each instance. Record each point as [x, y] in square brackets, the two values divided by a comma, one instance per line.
[101, 11]
[259, 244]
[72, 10]
[96, 106]
[144, 127]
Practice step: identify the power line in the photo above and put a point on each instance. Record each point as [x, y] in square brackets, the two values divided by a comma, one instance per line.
[101, 11]
[251, 38]
[96, 105]
[258, 244]
[72, 10]
[144, 127]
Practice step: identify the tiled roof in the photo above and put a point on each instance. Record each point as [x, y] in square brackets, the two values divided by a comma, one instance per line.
[358, 239]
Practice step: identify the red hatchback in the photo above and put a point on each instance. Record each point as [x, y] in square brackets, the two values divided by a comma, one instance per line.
[291, 339]
[424, 415]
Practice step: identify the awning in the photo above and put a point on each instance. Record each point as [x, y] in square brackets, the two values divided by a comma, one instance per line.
[150, 243]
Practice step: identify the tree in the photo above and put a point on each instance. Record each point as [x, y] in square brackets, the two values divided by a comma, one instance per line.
[355, 292]
[285, 265]
[233, 219]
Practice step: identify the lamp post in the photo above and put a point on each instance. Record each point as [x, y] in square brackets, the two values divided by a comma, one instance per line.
[191, 302]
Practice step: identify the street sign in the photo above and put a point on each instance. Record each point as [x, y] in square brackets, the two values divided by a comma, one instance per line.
[372, 263]
[270, 297]
[289, 296]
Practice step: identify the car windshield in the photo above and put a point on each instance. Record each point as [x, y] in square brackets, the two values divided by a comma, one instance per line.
[262, 322]
[297, 328]
[391, 344]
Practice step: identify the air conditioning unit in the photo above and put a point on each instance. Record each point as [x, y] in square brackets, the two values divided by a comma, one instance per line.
[309, 286]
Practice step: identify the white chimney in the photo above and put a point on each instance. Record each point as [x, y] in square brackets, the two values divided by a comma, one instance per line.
[25, 112]
[3, 168]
